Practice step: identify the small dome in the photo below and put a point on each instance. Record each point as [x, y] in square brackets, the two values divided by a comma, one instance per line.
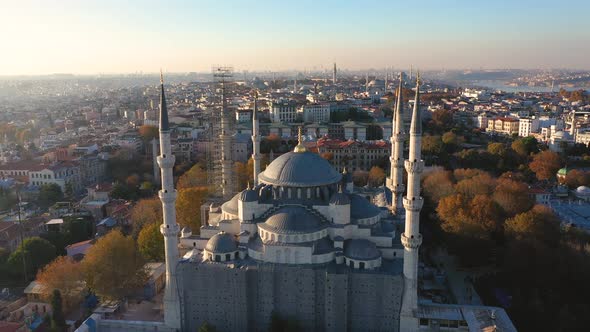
[340, 199]
[562, 171]
[249, 195]
[583, 191]
[221, 242]
[361, 249]
[186, 232]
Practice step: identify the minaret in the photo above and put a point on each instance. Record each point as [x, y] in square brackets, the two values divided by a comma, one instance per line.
[334, 74]
[367, 82]
[155, 160]
[169, 227]
[255, 140]
[225, 138]
[411, 238]
[398, 137]
[295, 85]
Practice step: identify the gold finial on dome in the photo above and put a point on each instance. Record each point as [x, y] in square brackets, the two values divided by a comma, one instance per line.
[300, 148]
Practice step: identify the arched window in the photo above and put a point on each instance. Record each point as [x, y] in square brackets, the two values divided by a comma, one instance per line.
[217, 258]
[227, 257]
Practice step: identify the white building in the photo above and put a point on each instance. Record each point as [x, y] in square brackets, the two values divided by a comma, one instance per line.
[284, 111]
[316, 112]
[526, 126]
[60, 174]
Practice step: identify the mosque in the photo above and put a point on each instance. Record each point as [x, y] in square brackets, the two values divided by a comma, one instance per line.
[300, 244]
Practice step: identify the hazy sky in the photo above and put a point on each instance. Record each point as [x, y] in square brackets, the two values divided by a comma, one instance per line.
[122, 36]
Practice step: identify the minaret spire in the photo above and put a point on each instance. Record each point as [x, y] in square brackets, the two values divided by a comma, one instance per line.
[398, 137]
[169, 227]
[255, 140]
[411, 238]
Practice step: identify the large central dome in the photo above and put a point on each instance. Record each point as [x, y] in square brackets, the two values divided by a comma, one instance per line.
[300, 169]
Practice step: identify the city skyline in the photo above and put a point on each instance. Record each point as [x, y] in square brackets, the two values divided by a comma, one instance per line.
[94, 37]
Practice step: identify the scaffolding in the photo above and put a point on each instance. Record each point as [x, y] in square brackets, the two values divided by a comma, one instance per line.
[220, 164]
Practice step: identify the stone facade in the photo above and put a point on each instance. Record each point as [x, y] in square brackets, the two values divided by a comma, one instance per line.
[242, 296]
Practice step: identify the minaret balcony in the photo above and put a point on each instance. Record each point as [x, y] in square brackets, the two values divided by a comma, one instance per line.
[398, 138]
[414, 204]
[397, 163]
[411, 242]
[414, 166]
[169, 230]
[167, 196]
[166, 161]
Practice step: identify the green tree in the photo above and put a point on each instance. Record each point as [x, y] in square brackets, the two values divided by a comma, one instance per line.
[49, 194]
[206, 327]
[151, 243]
[58, 321]
[36, 251]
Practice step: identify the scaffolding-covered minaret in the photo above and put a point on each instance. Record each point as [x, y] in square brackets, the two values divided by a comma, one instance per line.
[398, 137]
[411, 238]
[169, 227]
[255, 140]
[225, 135]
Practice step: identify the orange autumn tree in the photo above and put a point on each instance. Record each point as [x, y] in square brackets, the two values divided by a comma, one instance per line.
[65, 275]
[545, 164]
[113, 268]
[188, 207]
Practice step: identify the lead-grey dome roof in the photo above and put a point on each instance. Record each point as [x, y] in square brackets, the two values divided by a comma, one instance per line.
[292, 219]
[249, 195]
[231, 206]
[300, 169]
[340, 199]
[221, 243]
[361, 249]
[361, 208]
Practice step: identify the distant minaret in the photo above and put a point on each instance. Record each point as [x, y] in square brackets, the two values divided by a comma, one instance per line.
[255, 140]
[295, 85]
[225, 138]
[398, 137]
[334, 74]
[411, 238]
[169, 227]
[386, 78]
[367, 82]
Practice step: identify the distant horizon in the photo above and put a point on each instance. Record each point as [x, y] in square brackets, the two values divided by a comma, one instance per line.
[109, 36]
[291, 71]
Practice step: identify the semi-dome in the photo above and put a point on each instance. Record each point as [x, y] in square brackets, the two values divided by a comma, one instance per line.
[361, 249]
[231, 206]
[221, 243]
[249, 195]
[340, 198]
[292, 219]
[300, 169]
[361, 208]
